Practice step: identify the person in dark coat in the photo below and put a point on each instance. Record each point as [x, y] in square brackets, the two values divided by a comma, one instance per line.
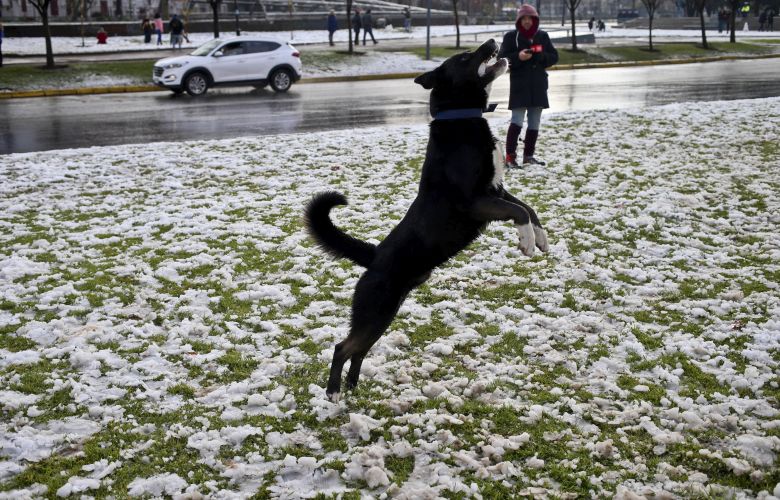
[368, 27]
[356, 25]
[333, 25]
[529, 52]
[146, 26]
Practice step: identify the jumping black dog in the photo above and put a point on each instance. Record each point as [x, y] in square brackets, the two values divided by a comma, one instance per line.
[460, 193]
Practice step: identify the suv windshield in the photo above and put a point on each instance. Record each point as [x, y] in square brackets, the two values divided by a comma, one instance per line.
[207, 47]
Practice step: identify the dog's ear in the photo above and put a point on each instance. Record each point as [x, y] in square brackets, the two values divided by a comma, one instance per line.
[427, 80]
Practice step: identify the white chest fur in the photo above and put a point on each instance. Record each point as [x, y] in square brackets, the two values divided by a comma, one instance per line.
[498, 164]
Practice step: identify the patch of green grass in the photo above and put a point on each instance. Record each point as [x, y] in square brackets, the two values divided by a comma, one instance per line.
[653, 394]
[401, 468]
[25, 76]
[510, 345]
[183, 390]
[10, 341]
[568, 56]
[694, 380]
[429, 332]
[680, 50]
[33, 379]
[239, 366]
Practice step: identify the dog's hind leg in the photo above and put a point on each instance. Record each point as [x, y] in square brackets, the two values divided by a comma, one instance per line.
[374, 306]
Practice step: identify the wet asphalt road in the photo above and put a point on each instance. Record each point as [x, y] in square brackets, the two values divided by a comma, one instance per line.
[40, 124]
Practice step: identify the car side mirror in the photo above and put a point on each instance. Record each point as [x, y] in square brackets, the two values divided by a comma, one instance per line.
[218, 53]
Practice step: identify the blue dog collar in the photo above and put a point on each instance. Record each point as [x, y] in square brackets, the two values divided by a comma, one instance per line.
[455, 114]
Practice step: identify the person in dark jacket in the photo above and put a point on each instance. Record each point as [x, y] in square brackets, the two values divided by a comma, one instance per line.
[333, 25]
[177, 29]
[146, 26]
[356, 25]
[368, 27]
[529, 52]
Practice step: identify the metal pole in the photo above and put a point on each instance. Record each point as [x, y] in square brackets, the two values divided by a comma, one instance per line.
[563, 13]
[238, 28]
[428, 34]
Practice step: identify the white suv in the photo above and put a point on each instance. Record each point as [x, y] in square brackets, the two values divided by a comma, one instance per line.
[236, 61]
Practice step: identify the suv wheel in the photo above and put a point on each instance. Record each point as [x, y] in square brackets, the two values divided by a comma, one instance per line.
[196, 84]
[281, 80]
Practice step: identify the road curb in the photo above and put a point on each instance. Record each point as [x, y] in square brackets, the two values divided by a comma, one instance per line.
[357, 78]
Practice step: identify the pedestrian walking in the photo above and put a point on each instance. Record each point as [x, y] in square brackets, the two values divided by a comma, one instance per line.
[333, 25]
[407, 20]
[368, 27]
[146, 27]
[602, 26]
[591, 21]
[177, 28]
[762, 20]
[529, 52]
[356, 24]
[102, 36]
[158, 27]
[770, 19]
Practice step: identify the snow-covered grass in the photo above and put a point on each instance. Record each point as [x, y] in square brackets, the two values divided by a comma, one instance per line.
[166, 325]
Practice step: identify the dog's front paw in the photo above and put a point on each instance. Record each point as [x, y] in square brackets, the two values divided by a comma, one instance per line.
[541, 239]
[334, 397]
[527, 239]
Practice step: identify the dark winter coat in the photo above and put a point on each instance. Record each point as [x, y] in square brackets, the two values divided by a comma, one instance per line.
[368, 23]
[333, 24]
[176, 26]
[356, 25]
[528, 79]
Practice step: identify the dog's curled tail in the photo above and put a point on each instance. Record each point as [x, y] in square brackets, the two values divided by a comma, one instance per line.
[331, 239]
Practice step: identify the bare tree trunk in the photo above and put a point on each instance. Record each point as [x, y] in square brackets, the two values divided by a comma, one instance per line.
[651, 32]
[573, 32]
[47, 33]
[349, 24]
[703, 32]
[733, 36]
[215, 20]
[42, 6]
[457, 24]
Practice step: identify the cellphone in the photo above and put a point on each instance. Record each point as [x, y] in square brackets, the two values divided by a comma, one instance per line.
[536, 48]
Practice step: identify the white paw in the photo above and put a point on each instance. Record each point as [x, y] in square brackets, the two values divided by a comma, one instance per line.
[526, 239]
[335, 397]
[541, 239]
[498, 164]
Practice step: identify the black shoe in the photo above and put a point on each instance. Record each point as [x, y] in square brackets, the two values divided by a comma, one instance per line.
[530, 160]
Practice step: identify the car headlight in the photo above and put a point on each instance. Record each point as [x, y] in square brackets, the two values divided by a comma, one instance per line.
[174, 65]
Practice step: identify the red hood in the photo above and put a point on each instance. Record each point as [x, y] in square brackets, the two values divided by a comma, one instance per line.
[527, 10]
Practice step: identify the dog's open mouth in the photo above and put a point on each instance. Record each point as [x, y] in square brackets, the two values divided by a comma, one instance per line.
[491, 65]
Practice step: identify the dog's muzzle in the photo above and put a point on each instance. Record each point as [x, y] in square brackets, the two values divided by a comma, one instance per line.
[496, 69]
